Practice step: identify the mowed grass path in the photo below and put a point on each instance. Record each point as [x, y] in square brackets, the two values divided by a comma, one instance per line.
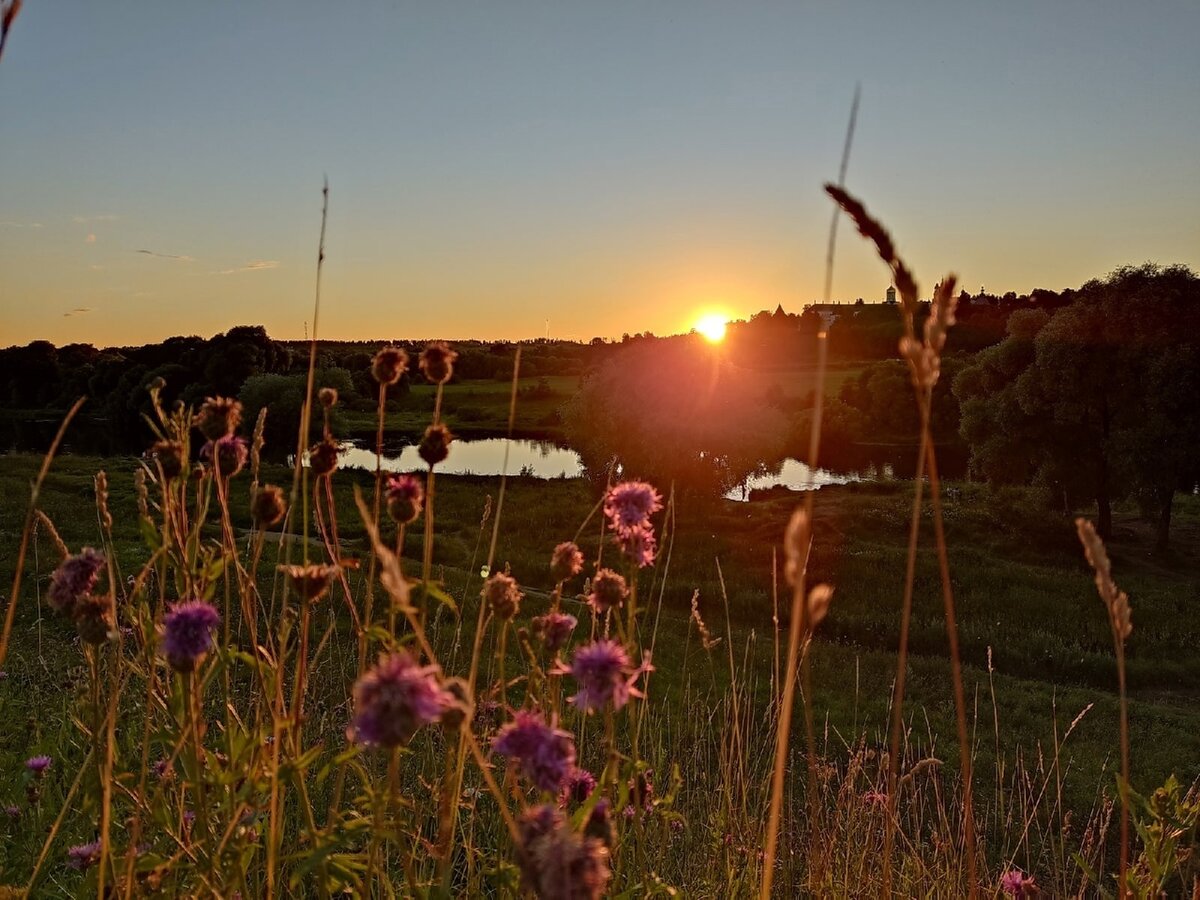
[1024, 594]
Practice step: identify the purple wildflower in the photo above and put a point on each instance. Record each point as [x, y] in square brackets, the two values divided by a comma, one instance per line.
[631, 503]
[437, 362]
[188, 633]
[599, 824]
[604, 674]
[38, 765]
[323, 457]
[312, 581]
[162, 769]
[546, 754]
[875, 798]
[502, 596]
[566, 561]
[435, 445]
[169, 455]
[218, 417]
[389, 364]
[405, 498]
[394, 699]
[268, 505]
[608, 591]
[556, 862]
[75, 577]
[578, 787]
[638, 544]
[84, 856]
[1016, 883]
[231, 453]
[12, 811]
[554, 628]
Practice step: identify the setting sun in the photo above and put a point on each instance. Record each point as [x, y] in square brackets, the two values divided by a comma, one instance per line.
[712, 326]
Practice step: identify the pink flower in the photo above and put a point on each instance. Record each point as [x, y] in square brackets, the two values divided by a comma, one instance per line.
[566, 561]
[638, 544]
[1016, 883]
[394, 699]
[405, 498]
[604, 675]
[546, 754]
[554, 628]
[608, 591]
[631, 503]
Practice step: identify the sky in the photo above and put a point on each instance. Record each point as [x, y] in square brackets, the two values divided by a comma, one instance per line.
[509, 170]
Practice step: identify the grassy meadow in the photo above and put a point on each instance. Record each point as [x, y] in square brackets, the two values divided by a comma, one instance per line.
[1036, 651]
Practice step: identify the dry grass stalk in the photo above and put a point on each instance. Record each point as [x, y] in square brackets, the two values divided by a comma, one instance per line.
[924, 359]
[1117, 604]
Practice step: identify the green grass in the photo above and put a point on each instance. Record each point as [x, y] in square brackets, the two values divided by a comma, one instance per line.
[1022, 589]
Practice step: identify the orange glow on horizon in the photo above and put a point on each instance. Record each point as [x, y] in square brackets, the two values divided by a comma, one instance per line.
[712, 327]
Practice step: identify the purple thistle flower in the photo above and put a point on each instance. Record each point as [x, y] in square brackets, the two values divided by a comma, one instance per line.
[556, 862]
[604, 674]
[75, 577]
[232, 453]
[608, 591]
[502, 596]
[12, 811]
[218, 417]
[566, 561]
[38, 765]
[394, 699]
[162, 769]
[188, 633]
[554, 628]
[405, 498]
[1016, 883]
[599, 824]
[84, 856]
[638, 544]
[578, 787]
[631, 503]
[875, 798]
[546, 754]
[389, 364]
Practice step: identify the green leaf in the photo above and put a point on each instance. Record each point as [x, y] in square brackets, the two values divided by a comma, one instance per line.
[430, 590]
[150, 534]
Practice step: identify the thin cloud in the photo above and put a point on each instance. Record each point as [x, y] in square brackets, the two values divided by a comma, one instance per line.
[255, 265]
[81, 220]
[166, 255]
[21, 225]
[77, 311]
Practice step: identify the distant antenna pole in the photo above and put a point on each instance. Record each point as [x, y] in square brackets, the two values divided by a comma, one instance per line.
[306, 330]
[547, 329]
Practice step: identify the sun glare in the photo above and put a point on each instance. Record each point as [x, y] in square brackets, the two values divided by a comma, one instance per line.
[712, 327]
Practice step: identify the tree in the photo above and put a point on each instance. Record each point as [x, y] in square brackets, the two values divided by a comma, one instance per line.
[1101, 396]
[283, 398]
[674, 411]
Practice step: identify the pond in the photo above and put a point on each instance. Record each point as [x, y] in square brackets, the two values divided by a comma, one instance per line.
[545, 459]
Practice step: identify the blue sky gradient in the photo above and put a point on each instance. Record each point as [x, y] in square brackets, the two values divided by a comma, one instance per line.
[602, 168]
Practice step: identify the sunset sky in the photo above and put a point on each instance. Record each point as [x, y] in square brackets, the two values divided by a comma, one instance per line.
[500, 169]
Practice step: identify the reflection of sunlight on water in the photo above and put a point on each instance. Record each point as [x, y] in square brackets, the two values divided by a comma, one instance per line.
[544, 459]
[793, 475]
[541, 459]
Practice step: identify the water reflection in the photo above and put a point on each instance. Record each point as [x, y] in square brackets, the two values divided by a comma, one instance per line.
[544, 459]
[541, 459]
